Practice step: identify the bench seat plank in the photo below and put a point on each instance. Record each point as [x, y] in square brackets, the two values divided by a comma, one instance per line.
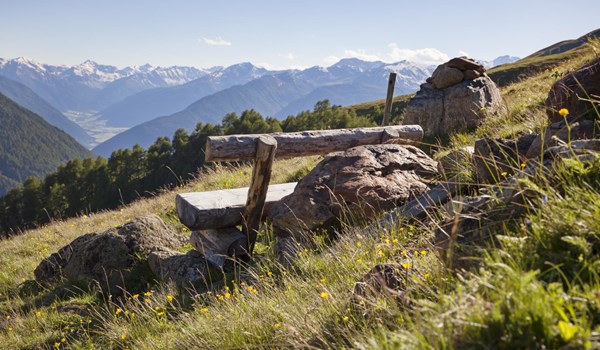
[222, 208]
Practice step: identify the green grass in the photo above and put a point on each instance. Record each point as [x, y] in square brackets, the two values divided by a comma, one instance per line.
[535, 286]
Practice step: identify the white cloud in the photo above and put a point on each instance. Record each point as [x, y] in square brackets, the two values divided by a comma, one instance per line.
[463, 53]
[216, 42]
[331, 59]
[425, 56]
[288, 56]
[361, 54]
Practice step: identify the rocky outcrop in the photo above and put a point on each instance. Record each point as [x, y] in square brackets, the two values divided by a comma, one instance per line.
[113, 260]
[568, 92]
[358, 182]
[496, 158]
[563, 132]
[457, 97]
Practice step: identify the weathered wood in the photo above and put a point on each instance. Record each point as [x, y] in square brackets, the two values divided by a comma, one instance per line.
[218, 245]
[389, 134]
[222, 208]
[257, 193]
[389, 99]
[296, 144]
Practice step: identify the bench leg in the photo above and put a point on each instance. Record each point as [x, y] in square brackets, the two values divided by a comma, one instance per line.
[219, 244]
[257, 193]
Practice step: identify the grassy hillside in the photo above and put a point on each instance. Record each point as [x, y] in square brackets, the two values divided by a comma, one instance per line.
[545, 60]
[29, 146]
[536, 287]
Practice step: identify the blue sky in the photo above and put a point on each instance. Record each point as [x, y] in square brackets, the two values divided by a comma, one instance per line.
[284, 34]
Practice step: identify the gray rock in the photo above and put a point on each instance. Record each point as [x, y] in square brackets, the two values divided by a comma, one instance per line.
[113, 260]
[457, 108]
[444, 76]
[382, 280]
[559, 132]
[568, 92]
[458, 162]
[190, 270]
[471, 74]
[358, 182]
[496, 159]
[464, 64]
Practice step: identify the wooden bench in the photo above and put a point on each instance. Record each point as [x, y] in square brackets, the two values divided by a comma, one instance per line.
[213, 215]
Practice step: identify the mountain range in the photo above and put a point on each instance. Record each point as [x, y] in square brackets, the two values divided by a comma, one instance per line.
[155, 101]
[279, 94]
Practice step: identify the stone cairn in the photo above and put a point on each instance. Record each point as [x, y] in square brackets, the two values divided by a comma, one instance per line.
[457, 96]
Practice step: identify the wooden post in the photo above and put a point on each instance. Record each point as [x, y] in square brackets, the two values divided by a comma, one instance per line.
[389, 99]
[257, 193]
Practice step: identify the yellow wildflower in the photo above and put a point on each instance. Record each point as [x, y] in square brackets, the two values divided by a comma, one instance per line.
[147, 294]
[38, 314]
[324, 295]
[426, 276]
[406, 265]
[118, 311]
[159, 314]
[504, 173]
[204, 309]
[345, 319]
[227, 295]
[123, 337]
[135, 296]
[358, 244]
[63, 340]
[423, 252]
[170, 298]
[277, 326]
[563, 112]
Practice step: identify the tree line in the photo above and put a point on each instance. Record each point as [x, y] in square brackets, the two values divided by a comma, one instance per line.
[93, 184]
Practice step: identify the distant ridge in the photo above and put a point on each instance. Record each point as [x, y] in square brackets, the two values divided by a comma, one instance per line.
[28, 99]
[566, 45]
[29, 146]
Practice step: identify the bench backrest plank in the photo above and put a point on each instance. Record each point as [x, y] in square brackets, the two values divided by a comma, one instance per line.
[304, 143]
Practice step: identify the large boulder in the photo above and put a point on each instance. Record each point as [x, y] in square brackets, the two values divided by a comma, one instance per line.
[455, 108]
[113, 260]
[568, 92]
[358, 182]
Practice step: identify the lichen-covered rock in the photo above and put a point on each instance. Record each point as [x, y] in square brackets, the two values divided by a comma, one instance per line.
[568, 92]
[113, 260]
[190, 270]
[453, 109]
[358, 182]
